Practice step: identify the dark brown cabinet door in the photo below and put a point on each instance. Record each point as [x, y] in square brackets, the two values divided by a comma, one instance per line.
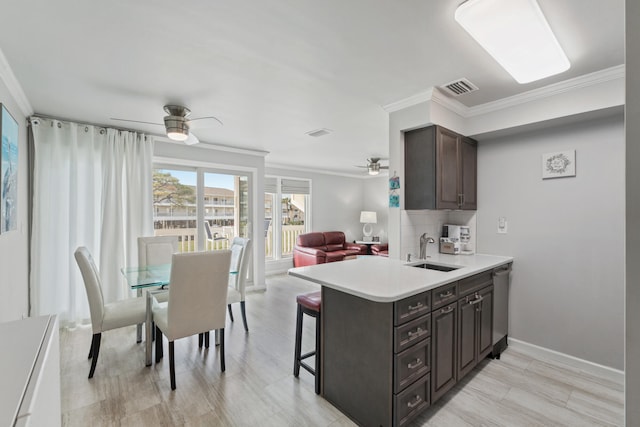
[485, 323]
[468, 173]
[443, 360]
[419, 168]
[467, 345]
[447, 167]
[440, 169]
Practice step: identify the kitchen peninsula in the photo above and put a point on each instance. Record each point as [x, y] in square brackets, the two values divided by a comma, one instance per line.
[397, 336]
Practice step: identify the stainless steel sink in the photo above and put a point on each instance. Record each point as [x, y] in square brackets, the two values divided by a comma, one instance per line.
[436, 267]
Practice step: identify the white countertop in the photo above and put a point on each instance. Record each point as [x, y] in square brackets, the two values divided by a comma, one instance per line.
[382, 279]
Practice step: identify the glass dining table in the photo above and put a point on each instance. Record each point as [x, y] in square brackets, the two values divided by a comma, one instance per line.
[155, 279]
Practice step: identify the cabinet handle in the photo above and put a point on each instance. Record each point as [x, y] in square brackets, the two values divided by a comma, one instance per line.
[418, 306]
[415, 364]
[477, 300]
[415, 334]
[446, 310]
[415, 402]
[447, 294]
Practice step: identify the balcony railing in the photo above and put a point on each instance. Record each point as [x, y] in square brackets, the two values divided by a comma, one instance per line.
[289, 235]
[188, 240]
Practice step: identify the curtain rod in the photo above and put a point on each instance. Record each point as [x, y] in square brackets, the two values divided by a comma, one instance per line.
[43, 116]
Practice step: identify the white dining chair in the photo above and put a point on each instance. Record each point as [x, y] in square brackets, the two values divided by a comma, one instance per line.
[197, 298]
[105, 317]
[155, 250]
[240, 256]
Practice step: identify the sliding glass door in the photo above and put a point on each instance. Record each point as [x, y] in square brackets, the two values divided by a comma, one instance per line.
[205, 208]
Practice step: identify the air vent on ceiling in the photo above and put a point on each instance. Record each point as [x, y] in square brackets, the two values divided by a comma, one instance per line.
[319, 132]
[460, 87]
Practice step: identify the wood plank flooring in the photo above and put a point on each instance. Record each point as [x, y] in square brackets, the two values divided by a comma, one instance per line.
[258, 387]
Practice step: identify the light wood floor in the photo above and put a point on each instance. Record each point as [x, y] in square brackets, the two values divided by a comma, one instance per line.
[258, 387]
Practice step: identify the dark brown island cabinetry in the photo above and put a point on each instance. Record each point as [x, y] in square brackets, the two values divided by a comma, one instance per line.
[385, 363]
[440, 169]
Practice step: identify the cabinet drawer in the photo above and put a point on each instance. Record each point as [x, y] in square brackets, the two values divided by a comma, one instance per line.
[411, 364]
[475, 283]
[411, 308]
[408, 404]
[444, 295]
[410, 333]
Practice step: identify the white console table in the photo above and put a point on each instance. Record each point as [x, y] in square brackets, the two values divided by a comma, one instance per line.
[30, 372]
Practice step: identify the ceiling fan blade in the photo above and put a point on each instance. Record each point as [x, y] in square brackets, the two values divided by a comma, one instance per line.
[365, 167]
[205, 122]
[384, 167]
[192, 139]
[137, 121]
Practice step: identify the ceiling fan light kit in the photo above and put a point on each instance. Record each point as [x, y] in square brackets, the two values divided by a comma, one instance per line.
[517, 35]
[177, 123]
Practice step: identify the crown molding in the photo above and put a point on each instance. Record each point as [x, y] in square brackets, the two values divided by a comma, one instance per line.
[14, 87]
[323, 171]
[211, 146]
[592, 79]
[410, 101]
[434, 95]
[450, 103]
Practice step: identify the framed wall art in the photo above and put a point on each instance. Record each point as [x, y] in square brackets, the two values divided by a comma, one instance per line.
[9, 171]
[559, 164]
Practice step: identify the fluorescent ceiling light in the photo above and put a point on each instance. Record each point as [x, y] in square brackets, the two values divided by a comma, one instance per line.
[516, 34]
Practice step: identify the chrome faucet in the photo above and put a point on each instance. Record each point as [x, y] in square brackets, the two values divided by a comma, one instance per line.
[424, 239]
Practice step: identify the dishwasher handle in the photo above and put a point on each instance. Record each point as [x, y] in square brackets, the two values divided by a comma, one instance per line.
[502, 271]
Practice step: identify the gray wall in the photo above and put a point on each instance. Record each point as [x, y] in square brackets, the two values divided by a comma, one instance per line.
[14, 255]
[566, 235]
[376, 198]
[632, 366]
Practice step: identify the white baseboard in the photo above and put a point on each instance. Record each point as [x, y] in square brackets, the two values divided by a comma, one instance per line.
[574, 362]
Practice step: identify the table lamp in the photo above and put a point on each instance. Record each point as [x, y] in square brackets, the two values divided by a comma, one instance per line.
[367, 218]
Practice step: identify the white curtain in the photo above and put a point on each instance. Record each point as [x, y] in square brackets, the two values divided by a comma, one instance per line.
[92, 187]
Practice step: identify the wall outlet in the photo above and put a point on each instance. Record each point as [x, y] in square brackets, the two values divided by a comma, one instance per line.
[502, 225]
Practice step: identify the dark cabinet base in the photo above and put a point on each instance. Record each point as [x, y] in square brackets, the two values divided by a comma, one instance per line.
[499, 347]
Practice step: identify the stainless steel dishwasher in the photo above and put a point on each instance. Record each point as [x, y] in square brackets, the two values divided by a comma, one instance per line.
[500, 309]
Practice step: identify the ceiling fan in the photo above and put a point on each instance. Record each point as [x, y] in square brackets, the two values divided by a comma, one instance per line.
[178, 125]
[374, 166]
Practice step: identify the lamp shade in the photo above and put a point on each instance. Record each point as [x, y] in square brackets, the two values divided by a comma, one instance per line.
[368, 217]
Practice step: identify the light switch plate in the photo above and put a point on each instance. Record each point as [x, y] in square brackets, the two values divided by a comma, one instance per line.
[502, 225]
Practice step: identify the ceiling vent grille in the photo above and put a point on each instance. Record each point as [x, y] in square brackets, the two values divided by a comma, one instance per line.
[319, 132]
[460, 87]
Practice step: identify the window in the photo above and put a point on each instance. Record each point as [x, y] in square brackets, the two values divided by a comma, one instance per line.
[287, 214]
[181, 208]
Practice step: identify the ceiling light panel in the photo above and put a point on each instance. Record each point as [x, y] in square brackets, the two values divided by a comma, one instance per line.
[516, 34]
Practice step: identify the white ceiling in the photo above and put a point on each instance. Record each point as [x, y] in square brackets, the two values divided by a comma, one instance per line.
[273, 70]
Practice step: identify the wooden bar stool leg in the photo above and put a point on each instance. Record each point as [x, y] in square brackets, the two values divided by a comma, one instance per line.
[318, 353]
[298, 350]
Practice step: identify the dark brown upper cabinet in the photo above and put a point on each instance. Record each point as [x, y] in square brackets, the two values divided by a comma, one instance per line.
[440, 169]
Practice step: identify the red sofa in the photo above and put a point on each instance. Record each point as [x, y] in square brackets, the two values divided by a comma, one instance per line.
[322, 247]
[381, 249]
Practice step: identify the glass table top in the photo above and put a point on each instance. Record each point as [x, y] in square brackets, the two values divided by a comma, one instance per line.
[150, 275]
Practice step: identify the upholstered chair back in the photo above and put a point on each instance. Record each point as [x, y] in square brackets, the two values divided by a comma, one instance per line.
[197, 293]
[240, 256]
[156, 250]
[92, 285]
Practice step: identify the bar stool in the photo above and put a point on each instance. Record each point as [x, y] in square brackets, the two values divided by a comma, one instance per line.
[308, 304]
